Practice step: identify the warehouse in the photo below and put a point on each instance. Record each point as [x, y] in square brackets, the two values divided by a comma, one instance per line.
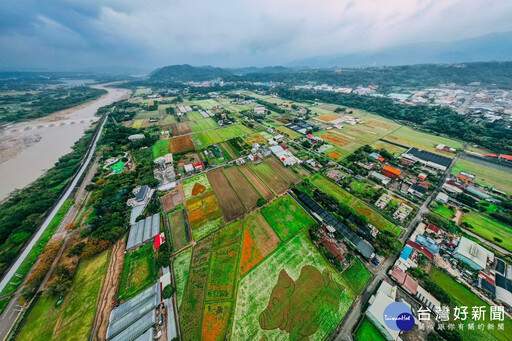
[428, 159]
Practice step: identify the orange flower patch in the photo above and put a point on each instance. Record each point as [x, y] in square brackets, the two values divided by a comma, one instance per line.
[198, 189]
[197, 218]
[334, 155]
[251, 256]
[215, 321]
[194, 204]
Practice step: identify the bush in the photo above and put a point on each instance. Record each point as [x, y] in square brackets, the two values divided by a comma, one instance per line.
[168, 291]
[261, 202]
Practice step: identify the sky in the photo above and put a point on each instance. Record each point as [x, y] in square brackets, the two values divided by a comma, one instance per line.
[80, 34]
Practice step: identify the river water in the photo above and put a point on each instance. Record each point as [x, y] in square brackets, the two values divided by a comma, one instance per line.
[55, 135]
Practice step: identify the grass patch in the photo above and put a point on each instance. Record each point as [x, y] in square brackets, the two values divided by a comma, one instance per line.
[286, 217]
[139, 272]
[461, 296]
[489, 229]
[444, 211]
[356, 276]
[367, 331]
[160, 148]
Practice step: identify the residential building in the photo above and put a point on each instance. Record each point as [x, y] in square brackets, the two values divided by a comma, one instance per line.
[390, 172]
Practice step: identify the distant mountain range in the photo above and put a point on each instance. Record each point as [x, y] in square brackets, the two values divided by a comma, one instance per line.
[490, 47]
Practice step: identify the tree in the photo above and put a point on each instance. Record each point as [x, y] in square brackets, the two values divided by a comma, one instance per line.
[261, 202]
[168, 291]
[387, 244]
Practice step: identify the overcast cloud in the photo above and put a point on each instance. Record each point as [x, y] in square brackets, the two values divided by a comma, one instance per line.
[70, 34]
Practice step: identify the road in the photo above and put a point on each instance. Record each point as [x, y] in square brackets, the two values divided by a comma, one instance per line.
[351, 319]
[13, 310]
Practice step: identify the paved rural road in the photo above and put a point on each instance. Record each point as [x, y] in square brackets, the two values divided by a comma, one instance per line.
[349, 323]
[13, 310]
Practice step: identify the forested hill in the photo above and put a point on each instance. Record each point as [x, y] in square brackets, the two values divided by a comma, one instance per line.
[497, 74]
[187, 73]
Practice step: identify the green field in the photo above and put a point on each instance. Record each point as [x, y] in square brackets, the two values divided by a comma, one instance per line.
[142, 91]
[414, 138]
[356, 276]
[489, 229]
[342, 195]
[207, 138]
[73, 319]
[286, 217]
[287, 131]
[368, 332]
[139, 272]
[181, 267]
[255, 288]
[485, 175]
[160, 148]
[444, 211]
[461, 296]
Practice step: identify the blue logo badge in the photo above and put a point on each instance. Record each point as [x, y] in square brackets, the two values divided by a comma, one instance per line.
[398, 316]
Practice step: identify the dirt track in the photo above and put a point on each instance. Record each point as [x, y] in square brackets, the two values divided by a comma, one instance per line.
[109, 291]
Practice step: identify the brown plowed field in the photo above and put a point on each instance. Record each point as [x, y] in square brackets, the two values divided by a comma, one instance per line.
[228, 200]
[260, 186]
[248, 195]
[287, 174]
[181, 144]
[173, 199]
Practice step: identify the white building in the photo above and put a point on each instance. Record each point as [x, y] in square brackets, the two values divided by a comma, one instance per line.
[286, 157]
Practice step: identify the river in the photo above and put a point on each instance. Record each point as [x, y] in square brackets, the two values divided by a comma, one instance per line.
[31, 148]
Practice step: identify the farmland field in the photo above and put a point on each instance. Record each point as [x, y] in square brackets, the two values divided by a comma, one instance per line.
[204, 213]
[256, 287]
[178, 232]
[264, 237]
[288, 132]
[345, 197]
[461, 296]
[245, 190]
[485, 175]
[260, 186]
[181, 144]
[286, 173]
[229, 202]
[172, 199]
[393, 149]
[367, 331]
[139, 272]
[286, 217]
[73, 319]
[489, 229]
[160, 148]
[414, 138]
[181, 267]
[273, 180]
[137, 124]
[251, 255]
[222, 273]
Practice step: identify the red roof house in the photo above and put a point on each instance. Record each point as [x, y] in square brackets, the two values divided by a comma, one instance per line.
[433, 228]
[159, 240]
[421, 249]
[390, 172]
